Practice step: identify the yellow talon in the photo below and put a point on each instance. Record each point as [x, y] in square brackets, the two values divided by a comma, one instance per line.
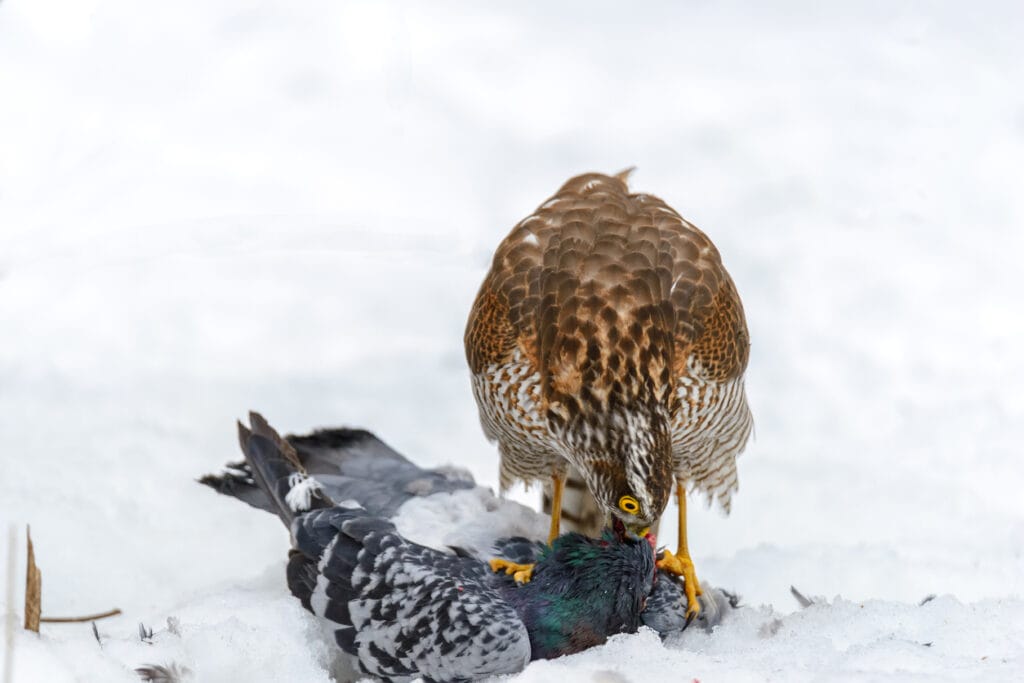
[682, 565]
[522, 573]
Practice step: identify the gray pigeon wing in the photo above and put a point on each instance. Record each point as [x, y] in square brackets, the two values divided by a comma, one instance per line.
[353, 464]
[406, 610]
[350, 464]
[665, 611]
[236, 481]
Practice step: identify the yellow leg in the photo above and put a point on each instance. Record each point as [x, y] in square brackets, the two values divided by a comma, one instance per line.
[558, 483]
[680, 563]
[522, 573]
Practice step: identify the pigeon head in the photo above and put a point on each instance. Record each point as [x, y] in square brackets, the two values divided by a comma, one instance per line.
[583, 590]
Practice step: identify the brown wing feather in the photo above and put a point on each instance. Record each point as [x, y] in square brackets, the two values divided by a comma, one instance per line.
[611, 298]
[594, 259]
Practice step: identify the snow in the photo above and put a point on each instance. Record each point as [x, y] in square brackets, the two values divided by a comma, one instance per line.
[467, 519]
[207, 207]
[843, 641]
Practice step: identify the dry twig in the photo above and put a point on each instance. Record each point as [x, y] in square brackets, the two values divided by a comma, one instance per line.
[88, 617]
[33, 587]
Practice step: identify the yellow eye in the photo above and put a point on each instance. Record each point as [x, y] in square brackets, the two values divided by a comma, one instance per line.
[629, 504]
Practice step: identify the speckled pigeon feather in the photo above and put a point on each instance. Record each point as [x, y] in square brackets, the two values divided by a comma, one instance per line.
[405, 610]
[353, 464]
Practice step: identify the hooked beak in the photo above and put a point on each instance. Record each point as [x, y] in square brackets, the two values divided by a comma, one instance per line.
[633, 532]
[644, 533]
[640, 531]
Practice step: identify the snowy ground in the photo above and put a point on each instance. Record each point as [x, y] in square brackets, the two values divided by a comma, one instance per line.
[210, 206]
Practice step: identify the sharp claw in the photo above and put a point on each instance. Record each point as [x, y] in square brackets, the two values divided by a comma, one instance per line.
[682, 566]
[690, 616]
[522, 573]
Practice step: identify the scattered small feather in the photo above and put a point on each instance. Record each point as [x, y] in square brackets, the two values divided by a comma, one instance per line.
[800, 597]
[172, 673]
